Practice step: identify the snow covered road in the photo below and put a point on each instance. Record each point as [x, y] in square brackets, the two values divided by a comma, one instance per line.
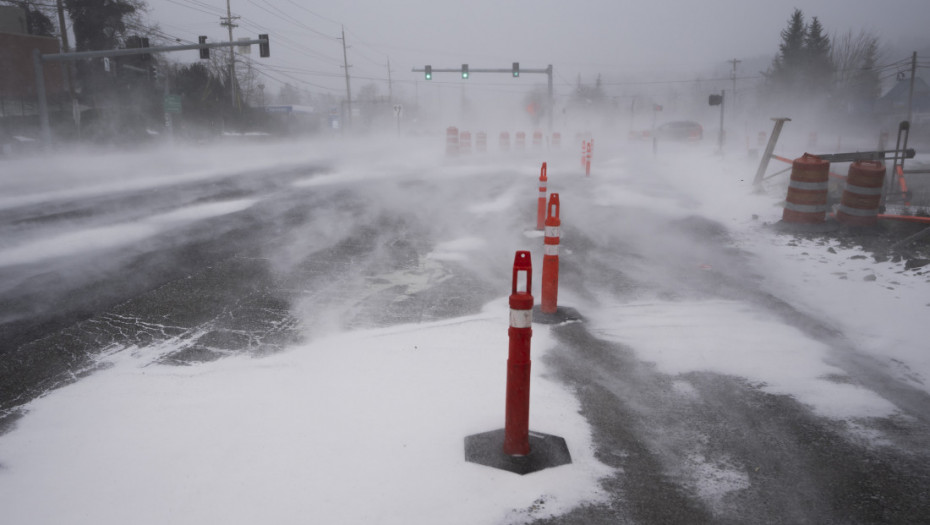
[309, 333]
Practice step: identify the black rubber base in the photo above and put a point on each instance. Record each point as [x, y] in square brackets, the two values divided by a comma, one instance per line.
[562, 314]
[546, 451]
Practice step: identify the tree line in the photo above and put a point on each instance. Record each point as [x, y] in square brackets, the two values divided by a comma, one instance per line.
[839, 74]
[126, 93]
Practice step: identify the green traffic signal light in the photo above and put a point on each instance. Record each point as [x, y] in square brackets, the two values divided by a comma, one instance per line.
[516, 69]
[464, 70]
[428, 73]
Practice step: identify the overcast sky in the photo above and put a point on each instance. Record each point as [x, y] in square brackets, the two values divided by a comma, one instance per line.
[659, 39]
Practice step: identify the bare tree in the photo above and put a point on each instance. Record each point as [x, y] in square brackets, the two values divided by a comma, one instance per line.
[857, 79]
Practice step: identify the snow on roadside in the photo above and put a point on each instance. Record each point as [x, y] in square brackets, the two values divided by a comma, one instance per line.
[360, 427]
[880, 307]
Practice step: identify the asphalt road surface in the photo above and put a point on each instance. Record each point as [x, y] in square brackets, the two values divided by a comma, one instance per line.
[251, 261]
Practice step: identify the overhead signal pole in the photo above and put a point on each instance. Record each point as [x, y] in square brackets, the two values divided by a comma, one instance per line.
[38, 59]
[465, 71]
[228, 22]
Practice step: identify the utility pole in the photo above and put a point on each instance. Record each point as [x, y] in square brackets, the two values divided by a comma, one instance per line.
[390, 89]
[65, 47]
[910, 93]
[345, 61]
[733, 76]
[723, 96]
[228, 22]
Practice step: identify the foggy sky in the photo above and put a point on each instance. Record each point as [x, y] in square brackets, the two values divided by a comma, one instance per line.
[617, 39]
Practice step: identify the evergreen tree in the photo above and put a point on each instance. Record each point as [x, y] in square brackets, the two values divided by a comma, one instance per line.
[817, 70]
[789, 62]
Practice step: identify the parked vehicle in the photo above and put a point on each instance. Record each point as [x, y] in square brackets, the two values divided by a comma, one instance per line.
[680, 130]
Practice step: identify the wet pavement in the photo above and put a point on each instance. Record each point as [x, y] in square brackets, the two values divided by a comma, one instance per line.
[250, 282]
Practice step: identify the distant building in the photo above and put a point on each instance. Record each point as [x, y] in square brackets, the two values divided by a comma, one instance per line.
[13, 20]
[18, 77]
[894, 102]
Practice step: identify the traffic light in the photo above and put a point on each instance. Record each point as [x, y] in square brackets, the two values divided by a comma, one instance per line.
[153, 71]
[204, 51]
[263, 50]
[464, 70]
[516, 69]
[715, 100]
[428, 73]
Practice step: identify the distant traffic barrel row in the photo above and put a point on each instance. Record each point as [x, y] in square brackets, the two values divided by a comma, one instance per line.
[460, 142]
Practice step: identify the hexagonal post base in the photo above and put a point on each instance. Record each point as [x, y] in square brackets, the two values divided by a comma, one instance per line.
[546, 451]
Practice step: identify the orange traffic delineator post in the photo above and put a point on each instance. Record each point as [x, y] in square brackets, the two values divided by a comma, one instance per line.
[541, 201]
[514, 448]
[587, 165]
[550, 272]
[517, 409]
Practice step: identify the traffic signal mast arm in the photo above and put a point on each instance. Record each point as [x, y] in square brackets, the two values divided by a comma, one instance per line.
[38, 59]
[508, 70]
[515, 71]
[145, 50]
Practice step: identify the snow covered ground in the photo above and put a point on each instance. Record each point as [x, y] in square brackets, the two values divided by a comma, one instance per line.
[367, 426]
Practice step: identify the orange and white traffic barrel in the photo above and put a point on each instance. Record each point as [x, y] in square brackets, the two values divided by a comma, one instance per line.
[465, 143]
[504, 142]
[520, 143]
[863, 194]
[452, 141]
[806, 201]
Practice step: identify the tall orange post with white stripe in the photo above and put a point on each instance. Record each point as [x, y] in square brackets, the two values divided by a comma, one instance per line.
[514, 448]
[587, 166]
[550, 271]
[517, 410]
[541, 202]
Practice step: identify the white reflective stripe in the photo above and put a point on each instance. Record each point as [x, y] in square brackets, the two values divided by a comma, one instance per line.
[551, 249]
[806, 208]
[798, 185]
[521, 318]
[858, 212]
[553, 231]
[862, 190]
